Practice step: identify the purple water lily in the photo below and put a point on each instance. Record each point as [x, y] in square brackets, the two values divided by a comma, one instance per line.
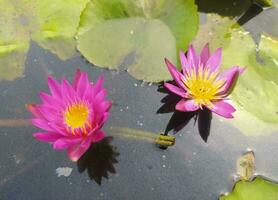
[73, 115]
[200, 84]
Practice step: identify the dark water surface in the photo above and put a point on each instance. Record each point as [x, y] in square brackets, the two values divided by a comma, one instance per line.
[192, 169]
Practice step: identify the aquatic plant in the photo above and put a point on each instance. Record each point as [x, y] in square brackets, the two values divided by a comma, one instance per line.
[200, 84]
[73, 115]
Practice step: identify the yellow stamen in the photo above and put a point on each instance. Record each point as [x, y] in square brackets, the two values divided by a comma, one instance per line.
[76, 116]
[203, 86]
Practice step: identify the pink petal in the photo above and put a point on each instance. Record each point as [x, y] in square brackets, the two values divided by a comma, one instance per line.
[48, 113]
[76, 78]
[223, 109]
[98, 136]
[99, 84]
[82, 84]
[50, 100]
[76, 151]
[184, 63]
[186, 105]
[35, 111]
[175, 89]
[54, 87]
[177, 76]
[47, 137]
[214, 60]
[89, 93]
[58, 128]
[105, 117]
[193, 59]
[205, 54]
[100, 96]
[67, 91]
[230, 77]
[106, 105]
[40, 123]
[65, 143]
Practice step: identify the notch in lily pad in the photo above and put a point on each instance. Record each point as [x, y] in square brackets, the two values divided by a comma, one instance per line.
[249, 186]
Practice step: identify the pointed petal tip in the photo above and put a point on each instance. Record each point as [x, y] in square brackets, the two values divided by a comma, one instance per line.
[181, 52]
[74, 158]
[176, 90]
[223, 109]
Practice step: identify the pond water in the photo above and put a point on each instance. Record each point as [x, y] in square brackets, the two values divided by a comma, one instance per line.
[131, 166]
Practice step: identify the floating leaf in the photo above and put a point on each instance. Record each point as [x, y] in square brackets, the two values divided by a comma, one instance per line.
[258, 189]
[51, 23]
[253, 95]
[136, 34]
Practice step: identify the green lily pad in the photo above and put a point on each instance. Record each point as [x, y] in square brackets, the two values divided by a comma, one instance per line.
[51, 23]
[254, 95]
[136, 35]
[258, 189]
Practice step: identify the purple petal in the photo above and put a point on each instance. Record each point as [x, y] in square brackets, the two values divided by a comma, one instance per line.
[54, 87]
[214, 60]
[223, 109]
[230, 77]
[76, 151]
[186, 105]
[205, 54]
[193, 59]
[177, 76]
[65, 143]
[184, 63]
[47, 137]
[175, 89]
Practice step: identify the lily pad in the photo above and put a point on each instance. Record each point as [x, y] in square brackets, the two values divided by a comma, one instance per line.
[51, 23]
[258, 189]
[136, 35]
[253, 95]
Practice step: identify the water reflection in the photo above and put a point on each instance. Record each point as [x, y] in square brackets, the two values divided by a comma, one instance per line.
[180, 119]
[224, 8]
[252, 12]
[99, 160]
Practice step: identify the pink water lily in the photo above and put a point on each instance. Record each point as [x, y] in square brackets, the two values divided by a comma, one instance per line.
[72, 115]
[200, 84]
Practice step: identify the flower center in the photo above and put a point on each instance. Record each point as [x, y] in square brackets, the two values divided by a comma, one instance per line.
[203, 87]
[203, 91]
[76, 115]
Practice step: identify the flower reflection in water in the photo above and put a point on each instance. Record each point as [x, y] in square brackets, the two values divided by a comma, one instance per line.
[180, 119]
[99, 160]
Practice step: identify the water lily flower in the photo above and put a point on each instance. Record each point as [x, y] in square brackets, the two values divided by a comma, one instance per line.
[72, 115]
[200, 84]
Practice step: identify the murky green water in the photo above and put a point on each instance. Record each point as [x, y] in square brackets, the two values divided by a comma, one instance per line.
[192, 169]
